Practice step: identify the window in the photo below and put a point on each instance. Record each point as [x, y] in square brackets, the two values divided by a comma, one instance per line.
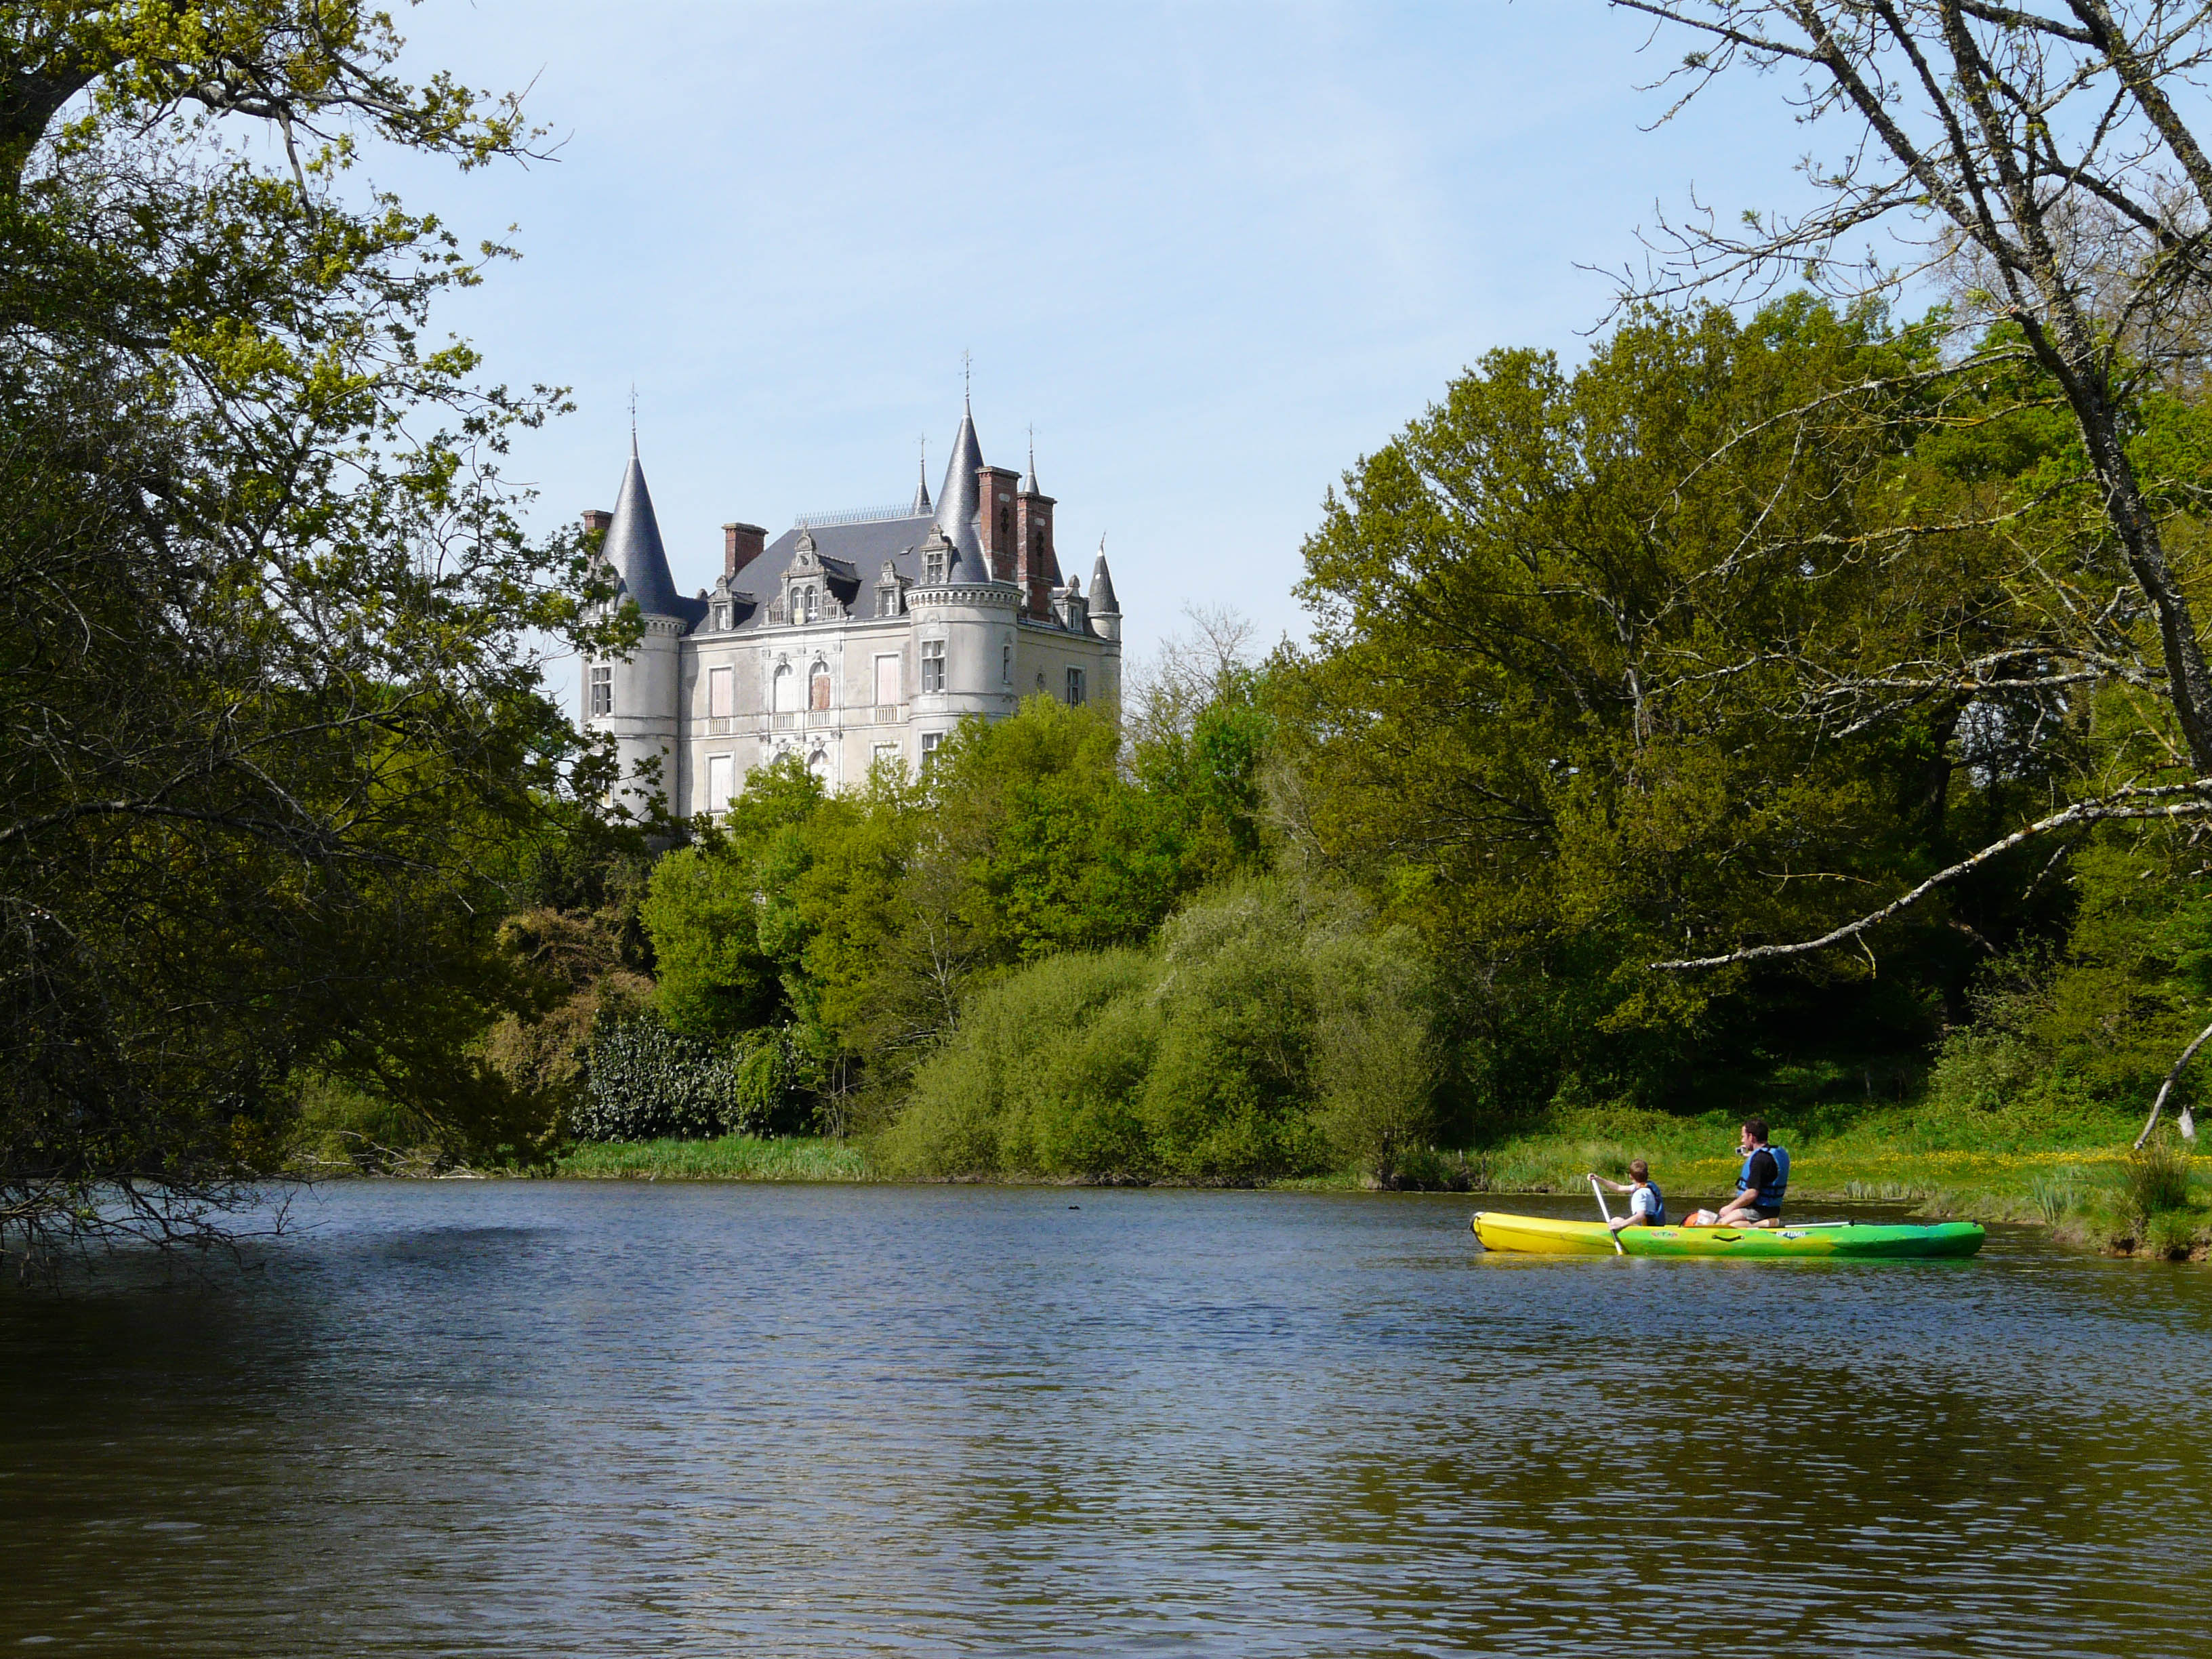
[929, 742]
[1006, 664]
[1074, 687]
[817, 686]
[818, 763]
[889, 681]
[722, 781]
[887, 602]
[932, 664]
[602, 690]
[786, 689]
[934, 569]
[721, 694]
[886, 754]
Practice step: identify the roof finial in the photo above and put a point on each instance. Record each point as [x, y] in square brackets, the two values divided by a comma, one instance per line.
[967, 379]
[633, 419]
[1030, 488]
[921, 484]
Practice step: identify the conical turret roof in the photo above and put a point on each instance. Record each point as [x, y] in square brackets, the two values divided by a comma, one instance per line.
[633, 547]
[961, 499]
[1102, 602]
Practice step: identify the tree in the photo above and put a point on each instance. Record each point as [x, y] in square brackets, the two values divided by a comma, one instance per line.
[273, 720]
[2041, 154]
[1592, 658]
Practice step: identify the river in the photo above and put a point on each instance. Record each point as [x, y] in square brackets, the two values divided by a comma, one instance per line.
[596, 1419]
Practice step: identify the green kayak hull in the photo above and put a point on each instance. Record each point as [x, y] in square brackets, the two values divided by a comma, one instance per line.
[1824, 1241]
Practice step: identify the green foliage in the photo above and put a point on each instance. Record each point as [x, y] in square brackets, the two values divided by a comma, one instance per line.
[731, 1157]
[1273, 1032]
[649, 1081]
[1726, 638]
[270, 621]
[2155, 1178]
[869, 922]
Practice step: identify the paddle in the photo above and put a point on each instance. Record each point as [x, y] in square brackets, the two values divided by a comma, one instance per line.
[1598, 1193]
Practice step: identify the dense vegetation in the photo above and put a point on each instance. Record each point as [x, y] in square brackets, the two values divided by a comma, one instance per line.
[1610, 665]
[273, 727]
[1789, 705]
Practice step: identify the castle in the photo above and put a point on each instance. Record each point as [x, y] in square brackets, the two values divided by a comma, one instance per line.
[855, 638]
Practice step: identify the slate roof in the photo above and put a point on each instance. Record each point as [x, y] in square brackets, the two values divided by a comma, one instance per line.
[633, 547]
[1102, 602]
[962, 498]
[852, 556]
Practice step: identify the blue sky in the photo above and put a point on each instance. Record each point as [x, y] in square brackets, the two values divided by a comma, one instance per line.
[1214, 252]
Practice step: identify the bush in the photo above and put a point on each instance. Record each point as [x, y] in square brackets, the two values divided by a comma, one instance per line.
[1041, 1076]
[1273, 1033]
[647, 1082]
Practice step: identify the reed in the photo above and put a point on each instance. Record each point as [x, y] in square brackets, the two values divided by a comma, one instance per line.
[729, 1157]
[2154, 1178]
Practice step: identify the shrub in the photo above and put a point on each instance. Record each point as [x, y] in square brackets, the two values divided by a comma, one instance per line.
[1040, 1077]
[647, 1082]
[2172, 1233]
[1273, 1033]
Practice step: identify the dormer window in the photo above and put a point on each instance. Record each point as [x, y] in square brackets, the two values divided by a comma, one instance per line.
[934, 569]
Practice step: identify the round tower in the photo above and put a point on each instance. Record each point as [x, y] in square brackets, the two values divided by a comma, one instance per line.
[635, 698]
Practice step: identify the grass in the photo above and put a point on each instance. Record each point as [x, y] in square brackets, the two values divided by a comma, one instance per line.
[2097, 1194]
[731, 1158]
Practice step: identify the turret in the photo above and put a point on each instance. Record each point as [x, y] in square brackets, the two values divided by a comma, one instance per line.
[634, 697]
[1105, 609]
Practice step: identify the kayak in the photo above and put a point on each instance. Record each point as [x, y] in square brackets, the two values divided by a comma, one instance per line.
[1818, 1239]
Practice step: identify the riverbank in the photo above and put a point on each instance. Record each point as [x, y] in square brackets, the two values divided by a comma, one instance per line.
[2087, 1194]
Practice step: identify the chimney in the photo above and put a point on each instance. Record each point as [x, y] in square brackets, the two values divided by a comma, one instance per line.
[597, 519]
[741, 544]
[995, 487]
[1036, 565]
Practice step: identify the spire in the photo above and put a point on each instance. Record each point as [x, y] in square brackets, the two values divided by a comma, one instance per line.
[1103, 602]
[1029, 484]
[961, 499]
[921, 482]
[633, 546]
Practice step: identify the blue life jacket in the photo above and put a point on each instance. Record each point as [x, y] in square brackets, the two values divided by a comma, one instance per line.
[1767, 1198]
[1658, 1216]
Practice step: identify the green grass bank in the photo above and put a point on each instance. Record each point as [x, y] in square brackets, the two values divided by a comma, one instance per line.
[2086, 1188]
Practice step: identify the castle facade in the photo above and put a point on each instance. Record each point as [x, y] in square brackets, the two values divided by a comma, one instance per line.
[851, 639]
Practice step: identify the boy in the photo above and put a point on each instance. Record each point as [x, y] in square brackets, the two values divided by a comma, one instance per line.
[1647, 1205]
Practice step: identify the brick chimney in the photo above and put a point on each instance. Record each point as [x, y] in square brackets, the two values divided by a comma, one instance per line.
[1037, 565]
[995, 489]
[597, 519]
[741, 544]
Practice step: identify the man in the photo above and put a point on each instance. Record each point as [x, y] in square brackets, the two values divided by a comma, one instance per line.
[1647, 1205]
[1759, 1185]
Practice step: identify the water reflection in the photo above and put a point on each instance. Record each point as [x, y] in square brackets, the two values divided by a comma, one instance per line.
[549, 1417]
